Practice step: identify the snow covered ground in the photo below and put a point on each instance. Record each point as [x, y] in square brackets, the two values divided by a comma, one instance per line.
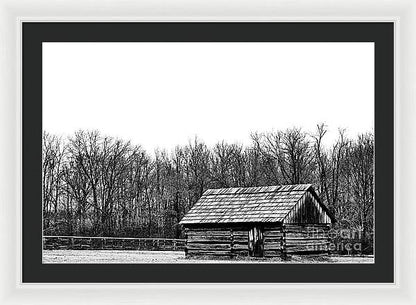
[169, 257]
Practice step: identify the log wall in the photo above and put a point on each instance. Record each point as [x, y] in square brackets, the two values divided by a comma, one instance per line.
[305, 238]
[278, 241]
[273, 241]
[229, 242]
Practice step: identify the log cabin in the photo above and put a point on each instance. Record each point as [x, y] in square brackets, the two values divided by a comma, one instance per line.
[269, 221]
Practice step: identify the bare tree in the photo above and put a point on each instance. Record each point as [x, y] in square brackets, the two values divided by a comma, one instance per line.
[361, 157]
[291, 154]
[53, 153]
[330, 164]
[98, 185]
[198, 157]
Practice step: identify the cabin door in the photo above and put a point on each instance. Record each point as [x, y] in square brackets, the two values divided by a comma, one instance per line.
[255, 241]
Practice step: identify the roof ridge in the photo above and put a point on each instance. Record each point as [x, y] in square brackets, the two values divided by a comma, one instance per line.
[251, 193]
[258, 189]
[247, 187]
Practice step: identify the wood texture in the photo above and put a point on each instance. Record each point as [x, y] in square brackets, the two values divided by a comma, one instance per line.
[278, 241]
[216, 242]
[305, 238]
[268, 204]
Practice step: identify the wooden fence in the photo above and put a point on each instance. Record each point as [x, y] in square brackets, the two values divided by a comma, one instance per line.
[111, 243]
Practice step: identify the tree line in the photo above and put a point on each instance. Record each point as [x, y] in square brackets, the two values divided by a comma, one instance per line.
[96, 185]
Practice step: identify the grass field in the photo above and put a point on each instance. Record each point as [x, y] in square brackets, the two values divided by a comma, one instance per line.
[169, 257]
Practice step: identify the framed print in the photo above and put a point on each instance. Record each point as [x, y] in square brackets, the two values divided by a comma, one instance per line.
[234, 94]
[206, 152]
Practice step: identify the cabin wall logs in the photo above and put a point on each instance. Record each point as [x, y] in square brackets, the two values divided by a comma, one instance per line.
[273, 241]
[302, 239]
[278, 241]
[216, 242]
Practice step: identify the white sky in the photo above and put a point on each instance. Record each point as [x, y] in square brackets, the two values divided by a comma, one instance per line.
[163, 94]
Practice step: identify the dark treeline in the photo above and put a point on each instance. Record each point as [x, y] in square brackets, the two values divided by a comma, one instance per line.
[94, 185]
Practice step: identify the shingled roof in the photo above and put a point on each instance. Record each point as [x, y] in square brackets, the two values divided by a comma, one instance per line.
[249, 204]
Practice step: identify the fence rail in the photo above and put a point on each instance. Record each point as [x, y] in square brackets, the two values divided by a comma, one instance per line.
[111, 243]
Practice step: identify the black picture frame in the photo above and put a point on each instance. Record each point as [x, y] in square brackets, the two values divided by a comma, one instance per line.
[35, 33]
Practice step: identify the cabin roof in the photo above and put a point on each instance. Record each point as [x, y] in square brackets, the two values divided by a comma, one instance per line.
[247, 204]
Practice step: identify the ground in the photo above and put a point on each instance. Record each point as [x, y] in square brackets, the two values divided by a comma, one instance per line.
[169, 257]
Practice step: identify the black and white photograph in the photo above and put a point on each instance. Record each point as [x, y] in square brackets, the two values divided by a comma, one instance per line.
[208, 153]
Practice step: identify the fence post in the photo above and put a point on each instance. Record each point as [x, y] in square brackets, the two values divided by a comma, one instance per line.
[108, 243]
